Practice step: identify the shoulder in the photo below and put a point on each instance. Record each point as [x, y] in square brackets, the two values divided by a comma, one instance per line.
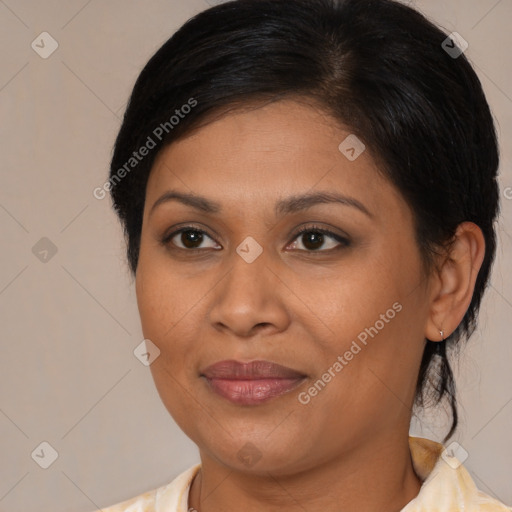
[485, 503]
[171, 497]
[143, 503]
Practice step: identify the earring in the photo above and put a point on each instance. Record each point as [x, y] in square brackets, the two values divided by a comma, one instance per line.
[442, 335]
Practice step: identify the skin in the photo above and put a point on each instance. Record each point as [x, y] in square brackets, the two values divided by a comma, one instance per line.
[347, 449]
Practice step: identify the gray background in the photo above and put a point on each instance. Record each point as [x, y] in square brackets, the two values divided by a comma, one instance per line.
[70, 324]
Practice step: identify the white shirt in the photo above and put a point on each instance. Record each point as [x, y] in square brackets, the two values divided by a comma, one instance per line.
[447, 487]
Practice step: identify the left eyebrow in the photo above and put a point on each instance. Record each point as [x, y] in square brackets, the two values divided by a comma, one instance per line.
[302, 202]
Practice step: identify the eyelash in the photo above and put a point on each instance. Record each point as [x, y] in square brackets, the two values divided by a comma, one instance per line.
[344, 242]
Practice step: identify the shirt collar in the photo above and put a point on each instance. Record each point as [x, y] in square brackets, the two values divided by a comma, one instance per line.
[446, 484]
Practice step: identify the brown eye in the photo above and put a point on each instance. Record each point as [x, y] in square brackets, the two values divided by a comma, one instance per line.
[189, 238]
[312, 239]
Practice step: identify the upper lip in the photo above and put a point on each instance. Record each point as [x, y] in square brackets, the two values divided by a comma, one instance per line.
[231, 369]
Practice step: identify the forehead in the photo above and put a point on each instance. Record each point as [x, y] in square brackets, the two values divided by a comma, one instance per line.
[262, 153]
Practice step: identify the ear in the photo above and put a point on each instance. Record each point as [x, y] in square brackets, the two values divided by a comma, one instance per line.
[453, 284]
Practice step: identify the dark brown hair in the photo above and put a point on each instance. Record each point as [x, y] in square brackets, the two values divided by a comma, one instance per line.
[377, 66]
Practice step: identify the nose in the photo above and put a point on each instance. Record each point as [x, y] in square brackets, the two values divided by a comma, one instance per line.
[249, 300]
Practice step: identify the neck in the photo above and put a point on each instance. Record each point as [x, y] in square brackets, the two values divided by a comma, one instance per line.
[376, 476]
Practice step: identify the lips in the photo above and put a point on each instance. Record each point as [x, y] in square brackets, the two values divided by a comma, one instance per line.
[251, 383]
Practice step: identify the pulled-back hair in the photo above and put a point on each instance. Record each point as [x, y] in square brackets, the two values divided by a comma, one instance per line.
[376, 66]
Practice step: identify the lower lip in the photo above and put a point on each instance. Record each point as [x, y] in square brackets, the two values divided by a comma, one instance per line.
[252, 392]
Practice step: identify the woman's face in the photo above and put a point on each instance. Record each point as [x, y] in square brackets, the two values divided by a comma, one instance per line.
[346, 313]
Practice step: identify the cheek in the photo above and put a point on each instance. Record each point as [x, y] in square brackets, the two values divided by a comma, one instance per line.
[156, 292]
[377, 311]
[168, 308]
[355, 299]
[159, 310]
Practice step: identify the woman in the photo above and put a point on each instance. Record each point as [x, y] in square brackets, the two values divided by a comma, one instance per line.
[308, 191]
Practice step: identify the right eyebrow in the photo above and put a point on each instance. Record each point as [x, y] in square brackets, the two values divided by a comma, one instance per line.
[197, 202]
